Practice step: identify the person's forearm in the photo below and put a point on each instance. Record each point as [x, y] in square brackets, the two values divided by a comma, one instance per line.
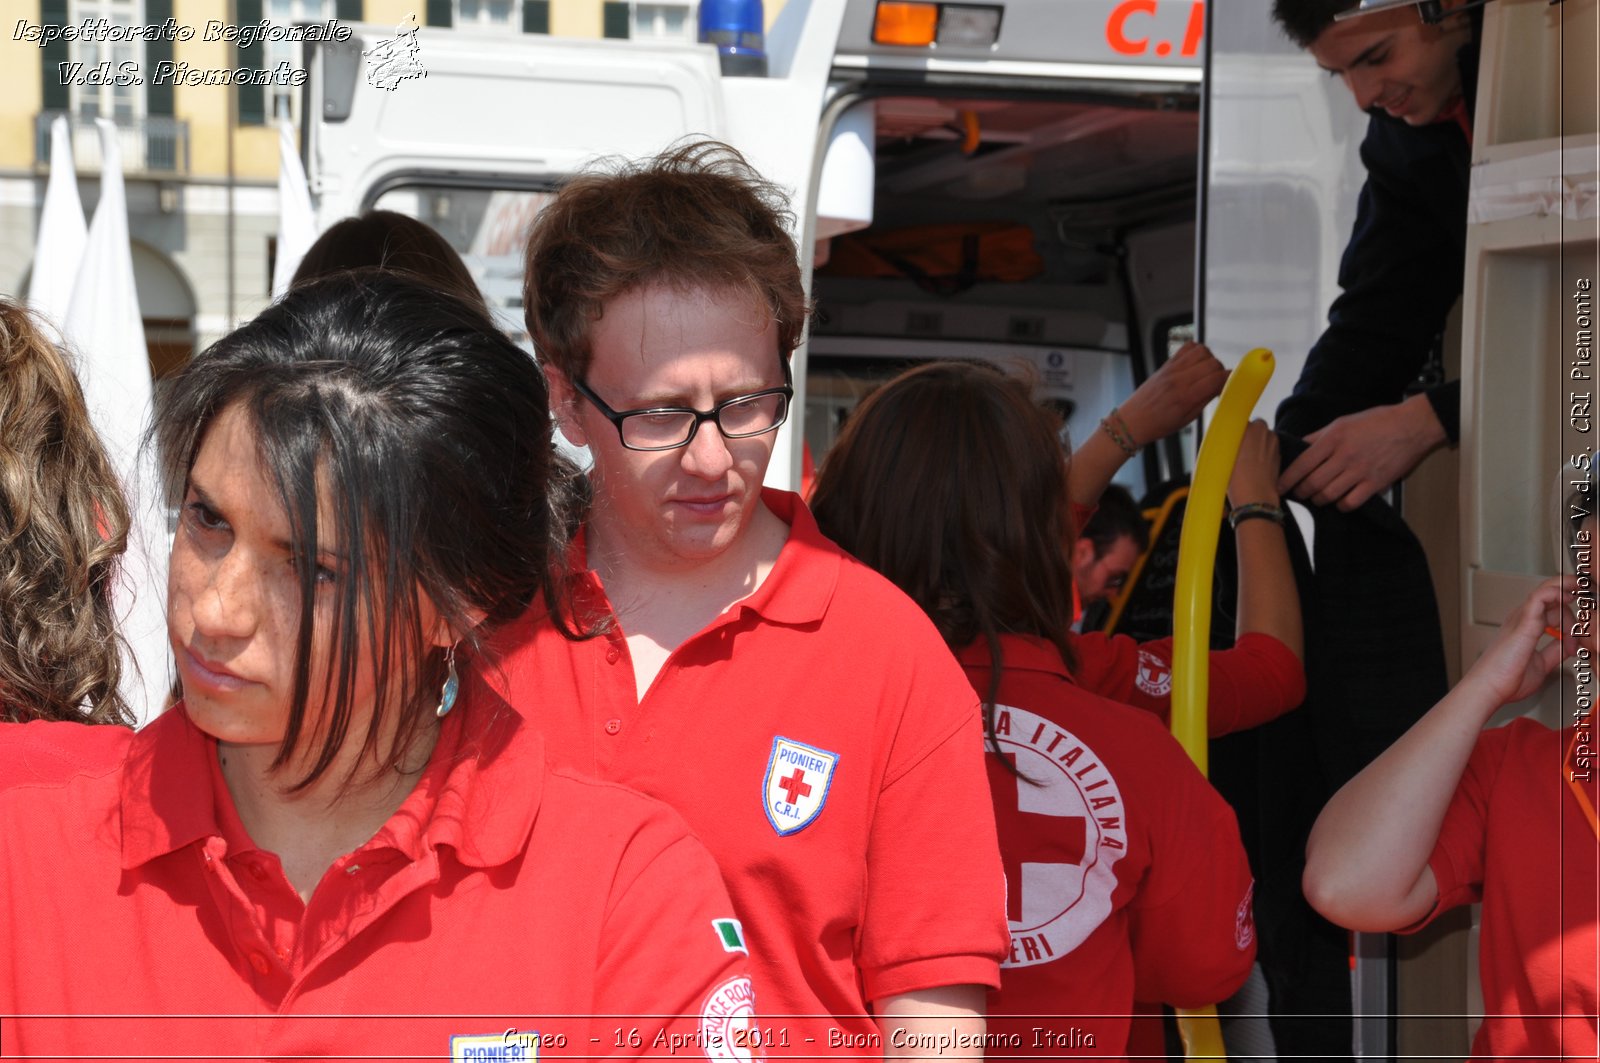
[1172, 397]
[1269, 600]
[1429, 431]
[1367, 857]
[1095, 462]
[933, 1024]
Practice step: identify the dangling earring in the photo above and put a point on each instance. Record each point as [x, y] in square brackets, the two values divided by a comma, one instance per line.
[452, 685]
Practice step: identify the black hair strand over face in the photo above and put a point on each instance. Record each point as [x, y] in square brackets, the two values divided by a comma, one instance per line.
[429, 431]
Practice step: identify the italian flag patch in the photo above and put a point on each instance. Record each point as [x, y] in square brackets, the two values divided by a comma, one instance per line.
[731, 933]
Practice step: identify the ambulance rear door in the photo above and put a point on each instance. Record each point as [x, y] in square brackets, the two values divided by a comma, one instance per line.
[1060, 138]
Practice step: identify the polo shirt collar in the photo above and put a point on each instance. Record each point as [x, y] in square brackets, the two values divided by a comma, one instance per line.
[481, 790]
[797, 590]
[802, 581]
[167, 800]
[479, 793]
[1028, 653]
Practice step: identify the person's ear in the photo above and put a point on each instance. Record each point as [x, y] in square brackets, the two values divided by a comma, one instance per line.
[564, 406]
[443, 634]
[1082, 553]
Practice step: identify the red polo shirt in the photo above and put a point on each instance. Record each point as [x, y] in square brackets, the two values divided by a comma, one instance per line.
[1516, 839]
[823, 742]
[1128, 878]
[140, 919]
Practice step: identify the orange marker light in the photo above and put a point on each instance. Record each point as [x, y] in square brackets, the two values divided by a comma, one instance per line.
[908, 24]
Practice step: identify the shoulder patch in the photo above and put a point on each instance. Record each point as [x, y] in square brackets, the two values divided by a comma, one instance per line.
[1244, 921]
[796, 784]
[731, 933]
[1154, 676]
[726, 1020]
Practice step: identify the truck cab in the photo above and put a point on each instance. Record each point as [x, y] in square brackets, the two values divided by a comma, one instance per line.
[1021, 187]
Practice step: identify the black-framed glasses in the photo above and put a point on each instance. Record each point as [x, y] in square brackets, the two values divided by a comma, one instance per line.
[670, 427]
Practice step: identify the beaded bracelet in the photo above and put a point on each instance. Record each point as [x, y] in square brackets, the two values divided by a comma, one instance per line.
[1251, 510]
[1117, 428]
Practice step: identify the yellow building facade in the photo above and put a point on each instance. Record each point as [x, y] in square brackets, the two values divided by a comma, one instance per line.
[200, 155]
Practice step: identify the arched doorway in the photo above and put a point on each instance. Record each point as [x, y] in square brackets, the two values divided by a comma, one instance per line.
[167, 305]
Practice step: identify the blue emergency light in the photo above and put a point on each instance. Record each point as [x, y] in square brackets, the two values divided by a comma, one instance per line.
[738, 29]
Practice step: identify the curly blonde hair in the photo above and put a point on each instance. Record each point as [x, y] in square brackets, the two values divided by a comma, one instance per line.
[63, 528]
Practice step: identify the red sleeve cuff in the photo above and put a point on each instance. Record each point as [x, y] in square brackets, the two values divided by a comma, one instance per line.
[1452, 892]
[895, 979]
[1261, 679]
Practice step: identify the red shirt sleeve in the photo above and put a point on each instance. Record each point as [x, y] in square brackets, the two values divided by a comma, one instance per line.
[1258, 680]
[1107, 665]
[673, 957]
[1457, 859]
[1192, 925]
[934, 811]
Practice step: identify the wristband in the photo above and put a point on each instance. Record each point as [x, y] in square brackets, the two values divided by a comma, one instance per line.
[1252, 510]
[1117, 428]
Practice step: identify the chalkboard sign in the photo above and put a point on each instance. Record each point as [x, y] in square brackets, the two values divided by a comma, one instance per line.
[1148, 612]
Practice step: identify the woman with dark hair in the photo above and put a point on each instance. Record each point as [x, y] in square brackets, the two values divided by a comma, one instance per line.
[63, 528]
[386, 239]
[1127, 880]
[341, 821]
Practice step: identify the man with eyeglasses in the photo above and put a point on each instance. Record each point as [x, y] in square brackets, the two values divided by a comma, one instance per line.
[797, 709]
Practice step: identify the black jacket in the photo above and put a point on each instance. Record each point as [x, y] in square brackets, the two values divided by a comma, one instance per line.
[1400, 274]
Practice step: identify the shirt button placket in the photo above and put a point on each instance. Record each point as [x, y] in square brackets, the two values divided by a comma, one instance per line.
[613, 726]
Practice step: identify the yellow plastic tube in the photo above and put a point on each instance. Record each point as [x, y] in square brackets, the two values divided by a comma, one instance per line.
[1197, 550]
[1191, 608]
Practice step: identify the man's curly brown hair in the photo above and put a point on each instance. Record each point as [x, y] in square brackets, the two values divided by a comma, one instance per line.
[63, 528]
[695, 217]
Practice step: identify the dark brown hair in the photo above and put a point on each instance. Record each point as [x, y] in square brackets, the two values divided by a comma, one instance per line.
[696, 216]
[63, 528]
[949, 480]
[384, 239]
[432, 430]
[1304, 20]
[1116, 515]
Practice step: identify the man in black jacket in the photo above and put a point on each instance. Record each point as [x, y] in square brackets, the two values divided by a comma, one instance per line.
[1402, 270]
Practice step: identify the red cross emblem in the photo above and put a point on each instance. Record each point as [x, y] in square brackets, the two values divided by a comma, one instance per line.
[795, 786]
[1029, 837]
[1062, 832]
[799, 776]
